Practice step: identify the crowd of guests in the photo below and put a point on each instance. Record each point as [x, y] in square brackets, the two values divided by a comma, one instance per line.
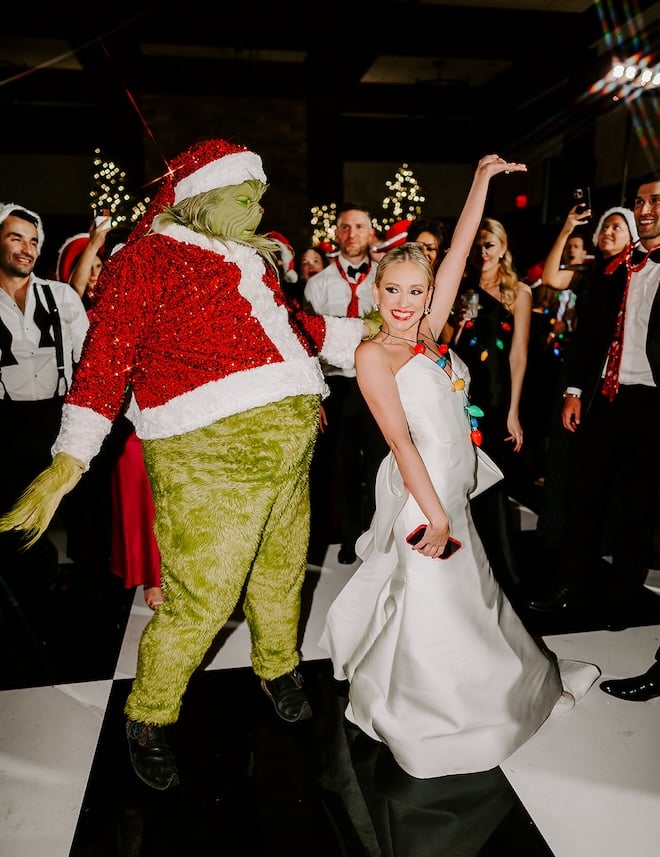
[513, 329]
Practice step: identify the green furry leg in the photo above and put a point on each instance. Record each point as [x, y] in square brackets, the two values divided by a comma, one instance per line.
[232, 501]
[272, 599]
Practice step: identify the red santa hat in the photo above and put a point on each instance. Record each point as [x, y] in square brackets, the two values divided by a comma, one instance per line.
[6, 209]
[202, 167]
[328, 249]
[535, 273]
[395, 235]
[287, 256]
[68, 255]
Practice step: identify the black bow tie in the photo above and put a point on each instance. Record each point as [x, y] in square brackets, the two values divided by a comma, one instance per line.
[355, 272]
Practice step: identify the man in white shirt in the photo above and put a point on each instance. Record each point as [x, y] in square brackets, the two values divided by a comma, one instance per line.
[350, 446]
[42, 327]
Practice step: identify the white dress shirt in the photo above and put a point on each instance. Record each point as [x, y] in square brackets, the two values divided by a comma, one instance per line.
[328, 293]
[35, 375]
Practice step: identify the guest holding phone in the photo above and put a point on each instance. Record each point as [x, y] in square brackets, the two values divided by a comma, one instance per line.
[441, 669]
[611, 398]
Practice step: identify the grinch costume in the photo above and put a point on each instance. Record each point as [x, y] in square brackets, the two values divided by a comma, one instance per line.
[225, 387]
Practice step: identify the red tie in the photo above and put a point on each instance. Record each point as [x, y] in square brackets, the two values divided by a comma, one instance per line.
[353, 310]
[353, 306]
[611, 380]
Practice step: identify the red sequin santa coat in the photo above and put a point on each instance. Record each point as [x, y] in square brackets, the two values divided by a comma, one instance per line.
[200, 330]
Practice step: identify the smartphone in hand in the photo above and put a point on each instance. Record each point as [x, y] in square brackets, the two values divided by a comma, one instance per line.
[417, 535]
[582, 198]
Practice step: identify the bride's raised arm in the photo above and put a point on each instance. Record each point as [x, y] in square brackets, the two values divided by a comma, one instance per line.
[449, 275]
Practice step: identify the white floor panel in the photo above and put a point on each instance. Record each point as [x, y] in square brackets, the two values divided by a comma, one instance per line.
[590, 778]
[48, 736]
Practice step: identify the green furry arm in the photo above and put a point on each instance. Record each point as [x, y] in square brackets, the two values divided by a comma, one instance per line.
[34, 509]
[372, 321]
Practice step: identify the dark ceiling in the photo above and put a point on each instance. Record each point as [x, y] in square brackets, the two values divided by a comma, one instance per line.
[434, 72]
[440, 82]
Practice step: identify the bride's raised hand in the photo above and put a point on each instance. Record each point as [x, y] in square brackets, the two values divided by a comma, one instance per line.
[491, 165]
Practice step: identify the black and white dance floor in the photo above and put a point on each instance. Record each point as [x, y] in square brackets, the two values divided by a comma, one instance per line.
[586, 785]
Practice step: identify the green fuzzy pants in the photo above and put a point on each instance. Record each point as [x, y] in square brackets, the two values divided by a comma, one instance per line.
[232, 508]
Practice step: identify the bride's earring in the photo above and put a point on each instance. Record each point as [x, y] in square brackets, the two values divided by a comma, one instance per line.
[427, 310]
[377, 307]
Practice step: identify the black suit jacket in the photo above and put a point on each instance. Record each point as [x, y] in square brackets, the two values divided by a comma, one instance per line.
[598, 310]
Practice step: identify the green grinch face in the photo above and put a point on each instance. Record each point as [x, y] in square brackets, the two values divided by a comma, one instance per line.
[237, 212]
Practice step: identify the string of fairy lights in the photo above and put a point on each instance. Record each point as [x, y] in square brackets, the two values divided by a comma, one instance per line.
[109, 194]
[403, 202]
[324, 219]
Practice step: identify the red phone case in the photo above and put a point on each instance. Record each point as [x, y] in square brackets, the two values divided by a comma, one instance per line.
[417, 534]
[450, 548]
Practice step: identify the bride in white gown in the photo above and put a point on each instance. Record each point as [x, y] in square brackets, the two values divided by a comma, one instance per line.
[440, 667]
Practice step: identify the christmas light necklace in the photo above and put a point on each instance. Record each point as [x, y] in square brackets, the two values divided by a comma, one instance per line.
[441, 354]
[474, 412]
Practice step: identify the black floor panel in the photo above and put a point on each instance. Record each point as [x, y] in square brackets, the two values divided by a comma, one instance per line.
[251, 783]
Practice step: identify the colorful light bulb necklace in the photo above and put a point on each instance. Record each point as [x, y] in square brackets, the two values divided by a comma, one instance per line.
[474, 412]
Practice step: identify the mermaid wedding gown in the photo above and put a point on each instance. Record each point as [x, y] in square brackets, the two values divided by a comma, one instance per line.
[441, 668]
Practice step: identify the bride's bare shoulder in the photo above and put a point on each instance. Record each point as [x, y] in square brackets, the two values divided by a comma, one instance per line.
[376, 355]
[370, 351]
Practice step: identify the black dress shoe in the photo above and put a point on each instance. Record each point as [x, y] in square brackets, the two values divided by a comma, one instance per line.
[560, 598]
[639, 688]
[151, 755]
[346, 555]
[289, 698]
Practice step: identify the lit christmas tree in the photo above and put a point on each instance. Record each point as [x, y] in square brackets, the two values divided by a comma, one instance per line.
[404, 201]
[324, 219]
[109, 193]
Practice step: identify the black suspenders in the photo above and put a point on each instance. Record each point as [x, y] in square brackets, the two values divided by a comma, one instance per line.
[8, 359]
[59, 347]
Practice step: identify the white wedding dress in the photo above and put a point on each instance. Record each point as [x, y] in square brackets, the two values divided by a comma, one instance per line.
[441, 669]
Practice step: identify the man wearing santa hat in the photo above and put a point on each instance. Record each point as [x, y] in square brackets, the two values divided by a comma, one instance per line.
[225, 385]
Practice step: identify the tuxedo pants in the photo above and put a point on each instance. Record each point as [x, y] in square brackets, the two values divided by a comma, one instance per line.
[614, 472]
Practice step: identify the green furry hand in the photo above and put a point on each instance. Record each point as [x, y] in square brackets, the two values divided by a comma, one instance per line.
[372, 321]
[34, 509]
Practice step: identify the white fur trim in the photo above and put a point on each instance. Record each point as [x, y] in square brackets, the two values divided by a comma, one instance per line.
[273, 318]
[7, 207]
[229, 170]
[234, 394]
[342, 337]
[81, 433]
